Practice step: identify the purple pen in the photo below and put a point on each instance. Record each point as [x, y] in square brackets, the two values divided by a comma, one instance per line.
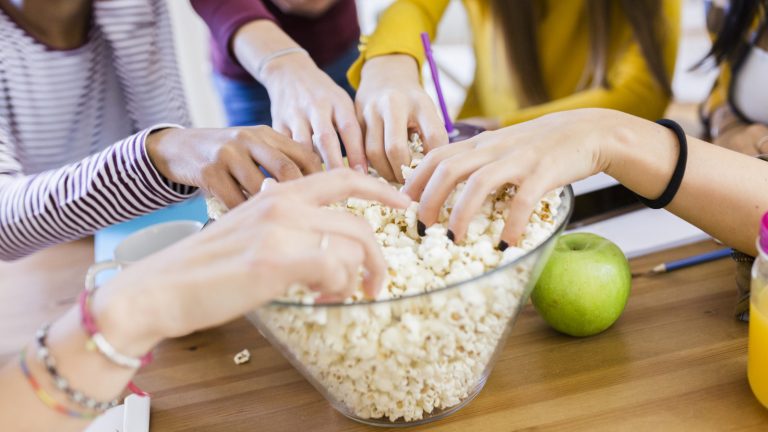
[436, 79]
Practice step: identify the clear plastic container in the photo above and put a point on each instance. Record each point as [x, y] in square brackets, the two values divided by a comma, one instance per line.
[413, 359]
[757, 363]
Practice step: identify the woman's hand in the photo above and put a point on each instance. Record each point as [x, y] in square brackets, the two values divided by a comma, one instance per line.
[537, 156]
[225, 162]
[309, 107]
[249, 257]
[750, 139]
[391, 103]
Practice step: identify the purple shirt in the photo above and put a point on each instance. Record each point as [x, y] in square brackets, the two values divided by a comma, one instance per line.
[325, 37]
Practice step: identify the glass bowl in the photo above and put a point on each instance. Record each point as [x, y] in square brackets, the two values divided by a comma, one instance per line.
[413, 359]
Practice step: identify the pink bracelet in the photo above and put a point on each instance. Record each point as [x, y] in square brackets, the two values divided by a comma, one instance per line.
[99, 343]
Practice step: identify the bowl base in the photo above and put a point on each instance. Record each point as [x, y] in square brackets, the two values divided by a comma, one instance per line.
[383, 422]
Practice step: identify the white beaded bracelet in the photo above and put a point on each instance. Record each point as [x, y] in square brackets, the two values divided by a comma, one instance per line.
[109, 351]
[279, 53]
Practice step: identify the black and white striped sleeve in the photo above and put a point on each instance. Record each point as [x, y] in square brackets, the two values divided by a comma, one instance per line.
[71, 202]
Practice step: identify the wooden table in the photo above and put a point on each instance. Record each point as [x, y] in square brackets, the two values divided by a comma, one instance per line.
[676, 360]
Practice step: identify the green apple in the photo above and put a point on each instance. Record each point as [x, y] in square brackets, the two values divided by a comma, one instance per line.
[584, 286]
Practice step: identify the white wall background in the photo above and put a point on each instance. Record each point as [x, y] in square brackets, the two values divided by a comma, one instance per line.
[452, 49]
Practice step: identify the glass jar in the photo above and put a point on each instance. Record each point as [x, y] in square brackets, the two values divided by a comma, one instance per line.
[757, 363]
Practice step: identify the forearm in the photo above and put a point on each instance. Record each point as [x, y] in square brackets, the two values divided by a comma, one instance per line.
[71, 202]
[723, 192]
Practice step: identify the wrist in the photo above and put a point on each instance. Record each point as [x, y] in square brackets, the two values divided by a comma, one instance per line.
[289, 66]
[397, 67]
[126, 319]
[155, 145]
[642, 155]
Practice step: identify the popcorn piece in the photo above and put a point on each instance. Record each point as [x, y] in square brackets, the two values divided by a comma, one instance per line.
[242, 357]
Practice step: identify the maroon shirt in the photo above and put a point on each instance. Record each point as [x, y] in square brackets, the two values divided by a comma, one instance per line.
[325, 37]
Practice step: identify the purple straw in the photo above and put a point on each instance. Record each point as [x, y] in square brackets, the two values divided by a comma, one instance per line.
[436, 80]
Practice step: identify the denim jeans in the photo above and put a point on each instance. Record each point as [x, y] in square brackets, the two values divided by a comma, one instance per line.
[246, 103]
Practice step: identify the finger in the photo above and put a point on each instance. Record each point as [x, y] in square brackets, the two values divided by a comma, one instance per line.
[449, 173]
[480, 184]
[224, 188]
[305, 158]
[351, 254]
[326, 143]
[317, 270]
[282, 128]
[301, 132]
[278, 164]
[433, 133]
[374, 146]
[351, 135]
[529, 193]
[355, 229]
[247, 173]
[336, 185]
[423, 173]
[396, 142]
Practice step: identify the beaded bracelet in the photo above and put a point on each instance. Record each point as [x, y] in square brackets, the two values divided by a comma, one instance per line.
[46, 398]
[61, 383]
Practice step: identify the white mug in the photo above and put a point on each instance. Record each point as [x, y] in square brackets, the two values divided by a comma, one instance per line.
[141, 244]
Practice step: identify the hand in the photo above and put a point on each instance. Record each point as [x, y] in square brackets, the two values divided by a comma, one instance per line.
[309, 107]
[249, 257]
[751, 139]
[391, 103]
[537, 156]
[225, 162]
[307, 8]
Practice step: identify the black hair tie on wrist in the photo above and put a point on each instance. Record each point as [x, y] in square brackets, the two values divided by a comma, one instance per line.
[677, 176]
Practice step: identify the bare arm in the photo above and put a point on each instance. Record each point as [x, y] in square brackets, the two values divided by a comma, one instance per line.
[723, 192]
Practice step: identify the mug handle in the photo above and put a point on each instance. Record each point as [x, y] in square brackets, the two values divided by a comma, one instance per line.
[94, 270]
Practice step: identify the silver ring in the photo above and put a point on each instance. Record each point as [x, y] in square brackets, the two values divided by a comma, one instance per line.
[324, 241]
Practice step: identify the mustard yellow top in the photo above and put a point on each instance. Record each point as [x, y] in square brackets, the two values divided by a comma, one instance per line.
[563, 40]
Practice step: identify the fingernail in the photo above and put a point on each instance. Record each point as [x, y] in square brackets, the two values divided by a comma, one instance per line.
[360, 169]
[503, 246]
[421, 228]
[451, 236]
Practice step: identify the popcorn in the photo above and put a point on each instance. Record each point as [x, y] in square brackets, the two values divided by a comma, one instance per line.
[242, 357]
[407, 359]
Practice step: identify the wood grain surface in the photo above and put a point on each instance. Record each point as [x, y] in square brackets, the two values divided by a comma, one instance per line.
[676, 360]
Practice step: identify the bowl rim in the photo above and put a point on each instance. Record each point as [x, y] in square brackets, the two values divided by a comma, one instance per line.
[568, 202]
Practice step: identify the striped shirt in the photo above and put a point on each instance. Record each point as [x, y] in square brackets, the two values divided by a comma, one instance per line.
[66, 166]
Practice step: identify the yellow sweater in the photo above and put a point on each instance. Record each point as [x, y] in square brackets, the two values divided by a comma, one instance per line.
[563, 50]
